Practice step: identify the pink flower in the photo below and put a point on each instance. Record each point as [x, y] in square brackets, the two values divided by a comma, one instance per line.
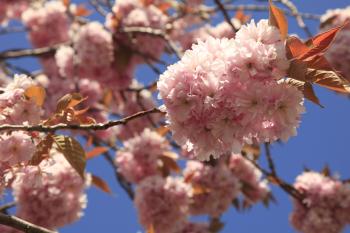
[162, 203]
[52, 196]
[47, 24]
[326, 204]
[16, 147]
[339, 53]
[136, 14]
[191, 227]
[215, 187]
[252, 187]
[224, 93]
[139, 157]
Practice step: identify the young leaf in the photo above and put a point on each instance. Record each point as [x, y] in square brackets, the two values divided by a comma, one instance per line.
[42, 150]
[170, 164]
[101, 184]
[69, 101]
[278, 19]
[96, 151]
[150, 229]
[81, 10]
[162, 130]
[36, 93]
[72, 151]
[321, 42]
[295, 47]
[297, 70]
[328, 79]
[309, 94]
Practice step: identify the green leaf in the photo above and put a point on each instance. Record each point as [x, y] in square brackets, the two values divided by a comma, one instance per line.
[72, 151]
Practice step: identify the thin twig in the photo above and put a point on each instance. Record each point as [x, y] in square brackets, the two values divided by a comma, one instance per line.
[7, 206]
[225, 14]
[266, 8]
[20, 224]
[19, 53]
[269, 159]
[98, 126]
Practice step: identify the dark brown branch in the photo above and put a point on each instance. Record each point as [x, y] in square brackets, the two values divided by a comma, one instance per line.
[225, 14]
[266, 8]
[99, 126]
[20, 224]
[269, 159]
[19, 53]
[7, 206]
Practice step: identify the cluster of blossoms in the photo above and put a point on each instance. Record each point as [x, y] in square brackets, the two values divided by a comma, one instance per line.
[12, 9]
[226, 92]
[16, 108]
[48, 24]
[140, 157]
[222, 30]
[131, 14]
[92, 57]
[51, 195]
[339, 53]
[162, 203]
[253, 187]
[216, 186]
[325, 206]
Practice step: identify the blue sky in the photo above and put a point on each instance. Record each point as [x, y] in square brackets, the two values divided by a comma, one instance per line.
[323, 138]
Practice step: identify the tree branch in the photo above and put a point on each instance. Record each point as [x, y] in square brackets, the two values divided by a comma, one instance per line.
[99, 126]
[20, 224]
[225, 14]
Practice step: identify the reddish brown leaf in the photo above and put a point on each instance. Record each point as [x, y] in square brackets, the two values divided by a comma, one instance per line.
[162, 130]
[81, 10]
[328, 79]
[278, 19]
[107, 98]
[72, 151]
[96, 151]
[243, 18]
[321, 42]
[295, 47]
[170, 164]
[36, 93]
[66, 2]
[326, 171]
[309, 94]
[69, 101]
[150, 229]
[101, 184]
[297, 70]
[42, 150]
[89, 141]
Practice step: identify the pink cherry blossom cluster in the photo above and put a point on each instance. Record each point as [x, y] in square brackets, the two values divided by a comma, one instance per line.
[139, 158]
[48, 24]
[325, 207]
[12, 9]
[16, 108]
[135, 13]
[162, 203]
[226, 92]
[339, 53]
[92, 57]
[215, 187]
[50, 195]
[222, 30]
[253, 187]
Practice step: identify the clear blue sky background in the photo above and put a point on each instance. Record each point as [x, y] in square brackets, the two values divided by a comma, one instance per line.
[323, 138]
